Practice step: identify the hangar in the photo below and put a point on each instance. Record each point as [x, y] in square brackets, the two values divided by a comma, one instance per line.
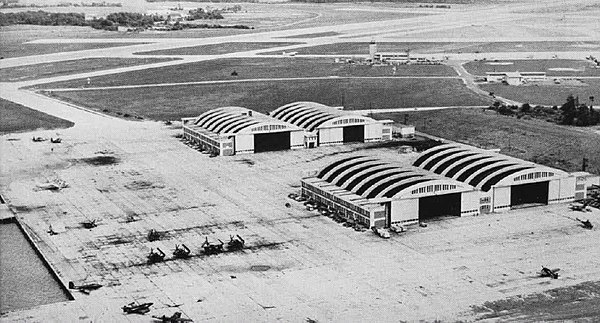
[381, 193]
[234, 130]
[330, 126]
[504, 182]
[447, 180]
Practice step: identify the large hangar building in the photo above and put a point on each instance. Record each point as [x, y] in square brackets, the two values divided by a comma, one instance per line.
[380, 193]
[504, 182]
[446, 180]
[234, 130]
[326, 125]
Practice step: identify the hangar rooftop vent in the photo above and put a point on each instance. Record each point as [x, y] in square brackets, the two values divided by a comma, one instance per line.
[479, 168]
[233, 120]
[312, 115]
[371, 178]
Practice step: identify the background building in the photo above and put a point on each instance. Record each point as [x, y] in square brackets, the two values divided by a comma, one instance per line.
[325, 125]
[234, 130]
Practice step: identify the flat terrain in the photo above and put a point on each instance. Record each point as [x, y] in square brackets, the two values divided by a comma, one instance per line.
[362, 48]
[552, 67]
[579, 302]
[216, 49]
[253, 68]
[37, 71]
[135, 175]
[549, 94]
[174, 102]
[535, 140]
[297, 264]
[17, 118]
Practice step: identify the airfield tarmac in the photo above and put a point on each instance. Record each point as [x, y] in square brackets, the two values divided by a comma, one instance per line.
[298, 265]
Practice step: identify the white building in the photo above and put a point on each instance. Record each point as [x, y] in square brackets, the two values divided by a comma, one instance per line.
[330, 126]
[515, 78]
[235, 130]
[446, 180]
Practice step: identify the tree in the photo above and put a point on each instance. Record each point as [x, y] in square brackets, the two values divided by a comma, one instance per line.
[568, 110]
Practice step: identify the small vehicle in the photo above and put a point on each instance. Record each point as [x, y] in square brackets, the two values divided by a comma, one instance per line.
[381, 232]
[55, 141]
[582, 207]
[398, 228]
[132, 308]
[212, 248]
[176, 317]
[181, 253]
[547, 272]
[360, 228]
[86, 289]
[155, 257]
[89, 224]
[586, 224]
[38, 139]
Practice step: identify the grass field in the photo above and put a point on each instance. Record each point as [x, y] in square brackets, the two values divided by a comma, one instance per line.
[565, 67]
[37, 71]
[552, 94]
[359, 48]
[17, 118]
[174, 102]
[535, 140]
[216, 49]
[249, 68]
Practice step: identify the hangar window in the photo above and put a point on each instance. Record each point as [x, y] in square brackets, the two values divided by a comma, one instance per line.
[334, 164]
[451, 161]
[484, 200]
[426, 155]
[494, 180]
[362, 177]
[437, 159]
[464, 164]
[530, 176]
[344, 168]
[399, 188]
[346, 177]
[471, 170]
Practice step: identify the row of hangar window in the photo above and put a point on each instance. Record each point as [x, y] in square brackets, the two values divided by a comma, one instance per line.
[201, 137]
[337, 200]
[433, 188]
[347, 121]
[533, 175]
[269, 127]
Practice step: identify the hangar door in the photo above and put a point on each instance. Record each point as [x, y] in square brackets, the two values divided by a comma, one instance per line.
[271, 141]
[532, 193]
[354, 133]
[439, 205]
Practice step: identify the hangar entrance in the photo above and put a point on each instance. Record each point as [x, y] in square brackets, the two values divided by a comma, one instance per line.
[271, 141]
[354, 133]
[529, 194]
[439, 206]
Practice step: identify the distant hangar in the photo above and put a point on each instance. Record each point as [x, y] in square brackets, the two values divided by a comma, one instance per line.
[446, 180]
[235, 130]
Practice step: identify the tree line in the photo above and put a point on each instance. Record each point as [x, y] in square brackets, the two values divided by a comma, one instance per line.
[571, 113]
[111, 22]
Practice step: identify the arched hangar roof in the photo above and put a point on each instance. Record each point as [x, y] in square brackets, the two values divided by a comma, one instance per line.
[312, 115]
[372, 178]
[477, 167]
[234, 120]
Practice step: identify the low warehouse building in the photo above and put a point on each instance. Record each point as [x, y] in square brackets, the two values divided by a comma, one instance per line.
[505, 182]
[235, 130]
[331, 126]
[379, 193]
